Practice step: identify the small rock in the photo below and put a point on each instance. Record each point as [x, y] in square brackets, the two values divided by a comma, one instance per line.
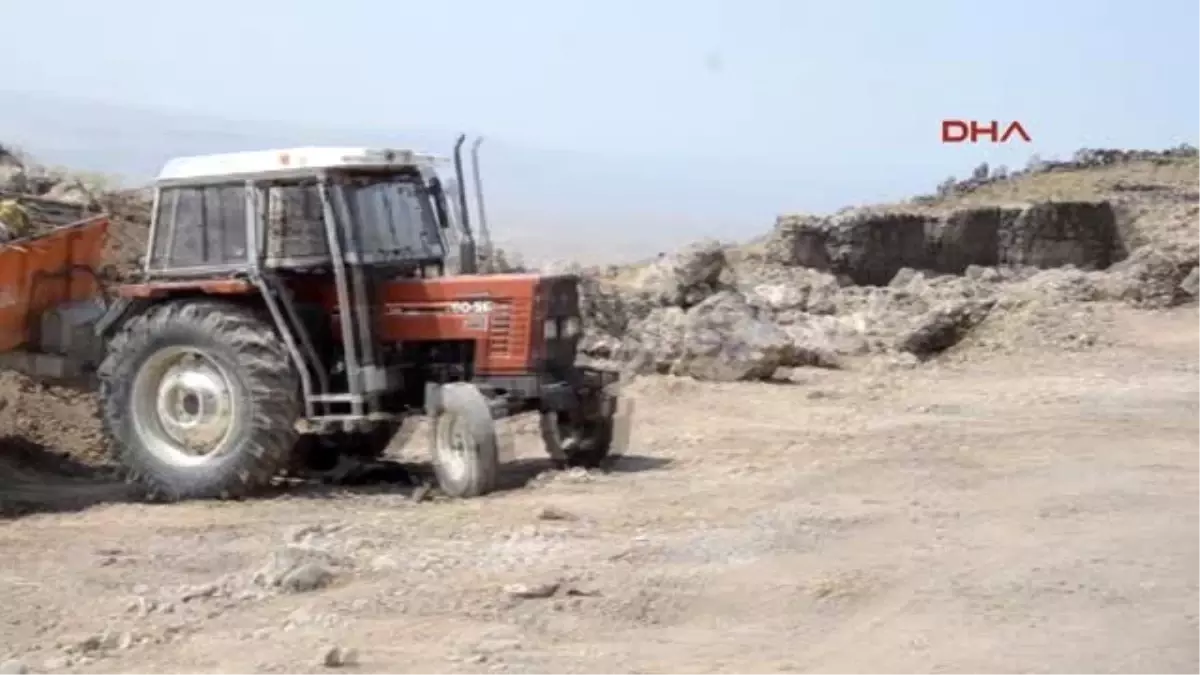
[306, 577]
[336, 657]
[421, 492]
[196, 592]
[126, 641]
[493, 646]
[531, 591]
[13, 667]
[57, 664]
[1191, 283]
[555, 513]
[302, 533]
[384, 562]
[578, 474]
[91, 643]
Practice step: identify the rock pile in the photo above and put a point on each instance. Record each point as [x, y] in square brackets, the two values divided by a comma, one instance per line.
[867, 282]
[54, 198]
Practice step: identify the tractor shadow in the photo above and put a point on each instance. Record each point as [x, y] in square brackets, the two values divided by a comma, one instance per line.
[36, 479]
[415, 479]
[522, 473]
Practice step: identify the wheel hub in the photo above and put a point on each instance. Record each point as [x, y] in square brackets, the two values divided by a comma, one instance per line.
[453, 446]
[183, 406]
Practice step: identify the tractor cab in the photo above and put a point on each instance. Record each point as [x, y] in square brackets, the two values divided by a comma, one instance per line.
[299, 209]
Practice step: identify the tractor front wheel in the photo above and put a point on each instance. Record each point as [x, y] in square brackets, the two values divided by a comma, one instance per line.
[465, 452]
[581, 437]
[199, 400]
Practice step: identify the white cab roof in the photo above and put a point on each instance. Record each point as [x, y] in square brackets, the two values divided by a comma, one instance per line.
[289, 161]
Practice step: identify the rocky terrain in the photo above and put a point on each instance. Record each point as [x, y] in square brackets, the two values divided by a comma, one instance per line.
[900, 283]
[954, 434]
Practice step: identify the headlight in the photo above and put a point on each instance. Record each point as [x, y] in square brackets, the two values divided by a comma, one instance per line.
[571, 327]
[551, 329]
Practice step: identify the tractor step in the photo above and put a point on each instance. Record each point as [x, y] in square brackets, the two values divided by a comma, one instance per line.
[330, 423]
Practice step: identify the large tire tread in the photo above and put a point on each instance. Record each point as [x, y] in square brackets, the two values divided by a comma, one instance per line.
[259, 361]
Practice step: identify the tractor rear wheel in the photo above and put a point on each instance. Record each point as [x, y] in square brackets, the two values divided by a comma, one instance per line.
[199, 400]
[466, 457]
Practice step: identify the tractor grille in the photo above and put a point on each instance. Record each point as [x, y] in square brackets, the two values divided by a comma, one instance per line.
[508, 328]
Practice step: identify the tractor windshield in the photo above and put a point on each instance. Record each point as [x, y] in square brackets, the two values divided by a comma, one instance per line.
[391, 217]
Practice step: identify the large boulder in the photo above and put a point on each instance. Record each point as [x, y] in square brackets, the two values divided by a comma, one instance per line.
[13, 178]
[943, 327]
[725, 340]
[823, 341]
[656, 341]
[798, 240]
[605, 308]
[1059, 233]
[72, 192]
[685, 278]
[781, 291]
[1149, 277]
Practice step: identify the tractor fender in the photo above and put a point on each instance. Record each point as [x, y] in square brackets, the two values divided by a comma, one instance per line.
[117, 313]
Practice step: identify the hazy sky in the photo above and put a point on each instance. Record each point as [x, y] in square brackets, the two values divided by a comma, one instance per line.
[727, 112]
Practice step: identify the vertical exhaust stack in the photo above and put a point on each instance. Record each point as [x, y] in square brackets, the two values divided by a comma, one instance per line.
[468, 264]
[485, 237]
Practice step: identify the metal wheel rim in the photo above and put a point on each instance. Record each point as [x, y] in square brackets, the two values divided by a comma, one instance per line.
[454, 445]
[183, 407]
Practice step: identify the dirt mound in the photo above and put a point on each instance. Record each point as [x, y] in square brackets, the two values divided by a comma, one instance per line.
[34, 478]
[52, 452]
[61, 418]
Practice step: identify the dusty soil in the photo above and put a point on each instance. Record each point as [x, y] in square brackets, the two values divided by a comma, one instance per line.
[1031, 511]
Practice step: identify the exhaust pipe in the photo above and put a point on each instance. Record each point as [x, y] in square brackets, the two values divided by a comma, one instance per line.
[485, 237]
[466, 250]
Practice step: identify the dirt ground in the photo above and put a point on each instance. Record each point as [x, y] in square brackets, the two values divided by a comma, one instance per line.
[1024, 512]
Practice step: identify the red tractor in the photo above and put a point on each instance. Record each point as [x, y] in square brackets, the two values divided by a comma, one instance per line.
[297, 304]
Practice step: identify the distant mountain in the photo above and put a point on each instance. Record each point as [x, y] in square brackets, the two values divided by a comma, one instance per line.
[547, 204]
